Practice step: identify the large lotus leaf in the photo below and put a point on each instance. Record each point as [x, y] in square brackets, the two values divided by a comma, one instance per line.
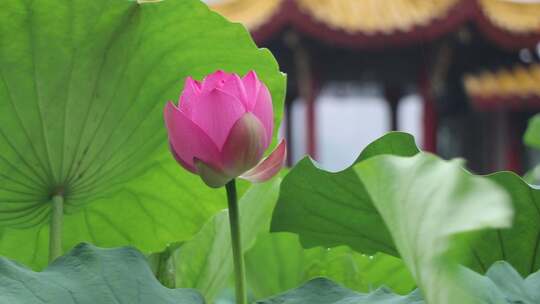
[324, 291]
[331, 209]
[509, 283]
[520, 245]
[425, 202]
[88, 275]
[316, 211]
[410, 207]
[532, 139]
[532, 176]
[205, 262]
[82, 89]
[277, 262]
[501, 285]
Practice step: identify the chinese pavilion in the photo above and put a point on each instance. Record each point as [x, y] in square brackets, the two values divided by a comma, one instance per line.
[471, 61]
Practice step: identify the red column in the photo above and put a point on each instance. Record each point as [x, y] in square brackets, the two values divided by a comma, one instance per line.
[429, 118]
[307, 88]
[514, 147]
[513, 157]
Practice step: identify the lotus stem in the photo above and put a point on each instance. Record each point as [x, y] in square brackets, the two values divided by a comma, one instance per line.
[55, 232]
[236, 242]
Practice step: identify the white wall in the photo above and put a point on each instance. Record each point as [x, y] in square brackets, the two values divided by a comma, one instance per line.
[349, 122]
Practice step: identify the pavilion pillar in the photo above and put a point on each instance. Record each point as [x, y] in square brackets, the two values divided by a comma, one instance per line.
[508, 145]
[516, 148]
[429, 115]
[500, 138]
[513, 156]
[432, 84]
[307, 89]
[289, 98]
[393, 95]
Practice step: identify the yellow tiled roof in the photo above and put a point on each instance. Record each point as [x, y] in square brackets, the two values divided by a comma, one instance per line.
[349, 15]
[370, 16]
[519, 81]
[251, 13]
[513, 16]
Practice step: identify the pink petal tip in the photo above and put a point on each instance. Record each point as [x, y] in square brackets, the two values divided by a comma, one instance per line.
[269, 166]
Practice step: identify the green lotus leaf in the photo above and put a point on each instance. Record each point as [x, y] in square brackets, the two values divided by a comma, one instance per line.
[82, 89]
[88, 275]
[331, 209]
[501, 285]
[532, 139]
[426, 203]
[324, 291]
[277, 262]
[519, 245]
[532, 134]
[410, 207]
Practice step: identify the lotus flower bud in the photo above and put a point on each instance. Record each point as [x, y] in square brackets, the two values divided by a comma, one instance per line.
[222, 127]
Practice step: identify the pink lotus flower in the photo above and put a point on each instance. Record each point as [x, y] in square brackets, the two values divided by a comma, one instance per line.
[222, 127]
